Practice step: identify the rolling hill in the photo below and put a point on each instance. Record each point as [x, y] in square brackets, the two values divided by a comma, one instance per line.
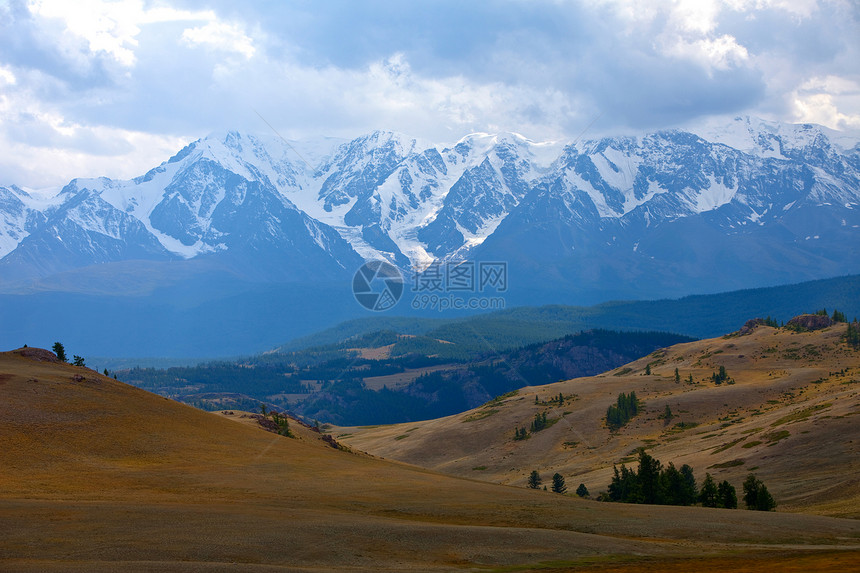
[785, 411]
[99, 475]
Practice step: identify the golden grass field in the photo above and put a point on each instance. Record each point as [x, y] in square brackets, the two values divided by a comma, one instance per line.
[790, 417]
[96, 475]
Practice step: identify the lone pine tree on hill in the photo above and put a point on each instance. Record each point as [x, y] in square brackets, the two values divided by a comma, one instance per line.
[667, 414]
[558, 483]
[60, 351]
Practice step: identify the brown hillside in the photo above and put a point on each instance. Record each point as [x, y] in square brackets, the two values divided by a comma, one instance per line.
[789, 416]
[98, 475]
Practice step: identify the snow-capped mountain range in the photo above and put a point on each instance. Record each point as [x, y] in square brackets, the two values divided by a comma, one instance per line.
[732, 205]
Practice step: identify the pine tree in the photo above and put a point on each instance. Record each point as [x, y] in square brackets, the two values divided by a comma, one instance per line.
[534, 480]
[671, 486]
[624, 486]
[60, 351]
[708, 492]
[726, 496]
[751, 491]
[689, 492]
[78, 361]
[582, 491]
[667, 414]
[558, 483]
[540, 422]
[613, 417]
[852, 335]
[677, 376]
[756, 495]
[765, 501]
[626, 406]
[648, 477]
[648, 370]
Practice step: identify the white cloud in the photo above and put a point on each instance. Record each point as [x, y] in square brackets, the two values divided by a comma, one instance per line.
[104, 27]
[694, 16]
[113, 27]
[7, 77]
[799, 8]
[687, 29]
[721, 53]
[80, 151]
[228, 37]
[818, 101]
[388, 94]
[92, 80]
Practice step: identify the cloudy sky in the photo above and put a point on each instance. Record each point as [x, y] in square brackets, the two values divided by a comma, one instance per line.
[90, 88]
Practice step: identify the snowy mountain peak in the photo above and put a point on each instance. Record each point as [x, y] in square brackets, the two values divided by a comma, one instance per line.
[386, 195]
[765, 138]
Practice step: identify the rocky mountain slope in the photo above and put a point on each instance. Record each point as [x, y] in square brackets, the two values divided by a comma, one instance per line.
[677, 207]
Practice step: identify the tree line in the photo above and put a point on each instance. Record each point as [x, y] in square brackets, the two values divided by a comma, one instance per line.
[652, 483]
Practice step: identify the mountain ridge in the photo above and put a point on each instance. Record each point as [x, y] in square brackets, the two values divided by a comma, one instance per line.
[233, 217]
[385, 195]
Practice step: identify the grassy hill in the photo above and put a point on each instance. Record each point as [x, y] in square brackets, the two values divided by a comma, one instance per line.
[786, 411]
[99, 475]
